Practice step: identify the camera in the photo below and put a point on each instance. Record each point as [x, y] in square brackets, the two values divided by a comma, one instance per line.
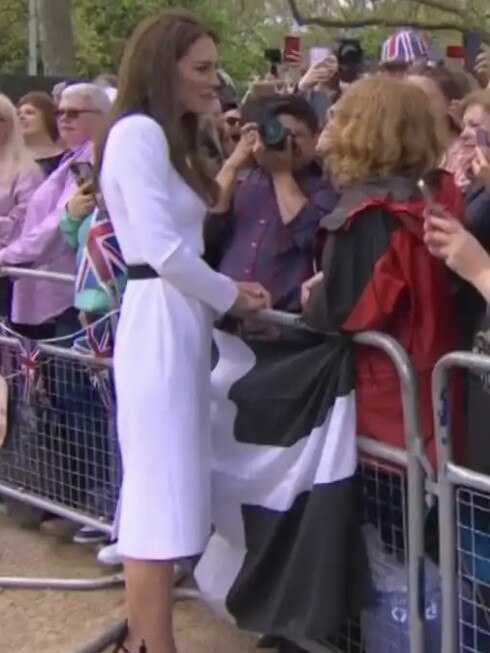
[272, 133]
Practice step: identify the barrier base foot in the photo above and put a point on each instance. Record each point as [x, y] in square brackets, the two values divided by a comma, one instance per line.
[103, 641]
[74, 584]
[112, 635]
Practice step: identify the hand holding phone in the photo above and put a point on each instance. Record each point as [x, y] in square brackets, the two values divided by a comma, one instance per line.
[82, 203]
[473, 46]
[292, 48]
[318, 56]
[482, 137]
[480, 166]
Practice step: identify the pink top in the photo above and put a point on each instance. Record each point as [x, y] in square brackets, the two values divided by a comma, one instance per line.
[41, 246]
[14, 198]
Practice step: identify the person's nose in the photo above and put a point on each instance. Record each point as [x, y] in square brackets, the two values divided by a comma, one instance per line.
[214, 81]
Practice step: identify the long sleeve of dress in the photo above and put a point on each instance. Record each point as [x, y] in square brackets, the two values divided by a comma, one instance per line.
[143, 179]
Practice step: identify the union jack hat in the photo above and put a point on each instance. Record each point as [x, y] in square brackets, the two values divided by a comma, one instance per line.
[404, 46]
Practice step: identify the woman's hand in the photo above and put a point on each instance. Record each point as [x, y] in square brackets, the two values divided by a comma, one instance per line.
[482, 69]
[307, 287]
[480, 167]
[447, 239]
[242, 154]
[82, 203]
[324, 73]
[252, 297]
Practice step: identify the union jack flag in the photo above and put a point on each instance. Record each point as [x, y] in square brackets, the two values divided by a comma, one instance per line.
[102, 262]
[97, 341]
[29, 366]
[404, 46]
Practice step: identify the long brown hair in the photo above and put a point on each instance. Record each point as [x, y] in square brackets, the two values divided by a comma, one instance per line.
[148, 83]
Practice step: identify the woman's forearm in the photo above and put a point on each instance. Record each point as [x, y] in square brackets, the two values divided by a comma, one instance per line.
[482, 283]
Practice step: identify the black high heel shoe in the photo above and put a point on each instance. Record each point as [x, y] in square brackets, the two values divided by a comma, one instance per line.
[120, 644]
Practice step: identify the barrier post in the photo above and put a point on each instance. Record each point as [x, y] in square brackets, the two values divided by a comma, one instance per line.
[415, 480]
[450, 475]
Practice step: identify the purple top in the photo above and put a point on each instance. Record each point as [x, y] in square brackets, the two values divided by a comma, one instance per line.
[260, 247]
[14, 198]
[41, 246]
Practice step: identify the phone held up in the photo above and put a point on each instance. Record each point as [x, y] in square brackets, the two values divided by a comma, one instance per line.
[482, 137]
[83, 172]
[432, 206]
[473, 46]
[292, 48]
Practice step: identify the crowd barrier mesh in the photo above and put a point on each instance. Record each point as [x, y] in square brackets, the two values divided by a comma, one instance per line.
[61, 445]
[464, 525]
[384, 505]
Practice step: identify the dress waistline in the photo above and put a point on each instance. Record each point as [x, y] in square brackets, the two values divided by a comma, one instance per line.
[140, 272]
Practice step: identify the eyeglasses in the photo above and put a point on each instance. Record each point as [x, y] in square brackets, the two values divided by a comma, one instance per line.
[231, 121]
[73, 114]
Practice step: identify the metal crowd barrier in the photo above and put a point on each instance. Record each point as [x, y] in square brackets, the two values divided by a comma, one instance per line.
[464, 525]
[393, 483]
[47, 437]
[61, 457]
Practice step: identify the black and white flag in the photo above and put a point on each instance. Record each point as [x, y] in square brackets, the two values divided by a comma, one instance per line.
[287, 556]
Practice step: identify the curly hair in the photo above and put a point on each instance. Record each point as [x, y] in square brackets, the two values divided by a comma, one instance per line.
[382, 126]
[480, 98]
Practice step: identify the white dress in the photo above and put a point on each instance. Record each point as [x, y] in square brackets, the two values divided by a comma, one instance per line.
[163, 344]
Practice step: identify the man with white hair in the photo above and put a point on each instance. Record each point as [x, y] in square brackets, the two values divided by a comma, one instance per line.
[39, 306]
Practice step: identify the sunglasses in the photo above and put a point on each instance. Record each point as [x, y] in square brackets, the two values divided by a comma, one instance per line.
[231, 121]
[73, 114]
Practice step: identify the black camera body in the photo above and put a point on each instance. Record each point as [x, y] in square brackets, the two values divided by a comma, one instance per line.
[272, 133]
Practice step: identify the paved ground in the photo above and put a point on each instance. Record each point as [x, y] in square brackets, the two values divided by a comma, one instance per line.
[60, 622]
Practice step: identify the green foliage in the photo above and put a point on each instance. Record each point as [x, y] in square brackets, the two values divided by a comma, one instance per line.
[102, 29]
[245, 28]
[13, 36]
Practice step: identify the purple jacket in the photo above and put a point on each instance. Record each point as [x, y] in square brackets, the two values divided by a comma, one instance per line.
[14, 198]
[41, 246]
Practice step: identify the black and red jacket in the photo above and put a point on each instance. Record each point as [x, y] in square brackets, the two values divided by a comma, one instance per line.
[379, 275]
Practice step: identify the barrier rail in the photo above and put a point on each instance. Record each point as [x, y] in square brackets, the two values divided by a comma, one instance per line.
[60, 431]
[462, 493]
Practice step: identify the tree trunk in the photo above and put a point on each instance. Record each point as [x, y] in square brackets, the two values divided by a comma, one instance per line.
[56, 35]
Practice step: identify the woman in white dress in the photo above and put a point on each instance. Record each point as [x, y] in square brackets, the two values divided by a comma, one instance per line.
[157, 192]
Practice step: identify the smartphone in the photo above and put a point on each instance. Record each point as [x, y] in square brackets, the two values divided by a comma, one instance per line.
[83, 171]
[482, 137]
[473, 46]
[432, 205]
[318, 55]
[292, 47]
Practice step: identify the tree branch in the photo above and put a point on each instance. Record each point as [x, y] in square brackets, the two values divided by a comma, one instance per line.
[440, 5]
[381, 21]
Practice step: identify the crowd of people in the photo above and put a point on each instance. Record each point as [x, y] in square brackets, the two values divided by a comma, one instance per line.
[304, 197]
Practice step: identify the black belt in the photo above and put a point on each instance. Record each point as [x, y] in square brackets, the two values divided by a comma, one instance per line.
[139, 272]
